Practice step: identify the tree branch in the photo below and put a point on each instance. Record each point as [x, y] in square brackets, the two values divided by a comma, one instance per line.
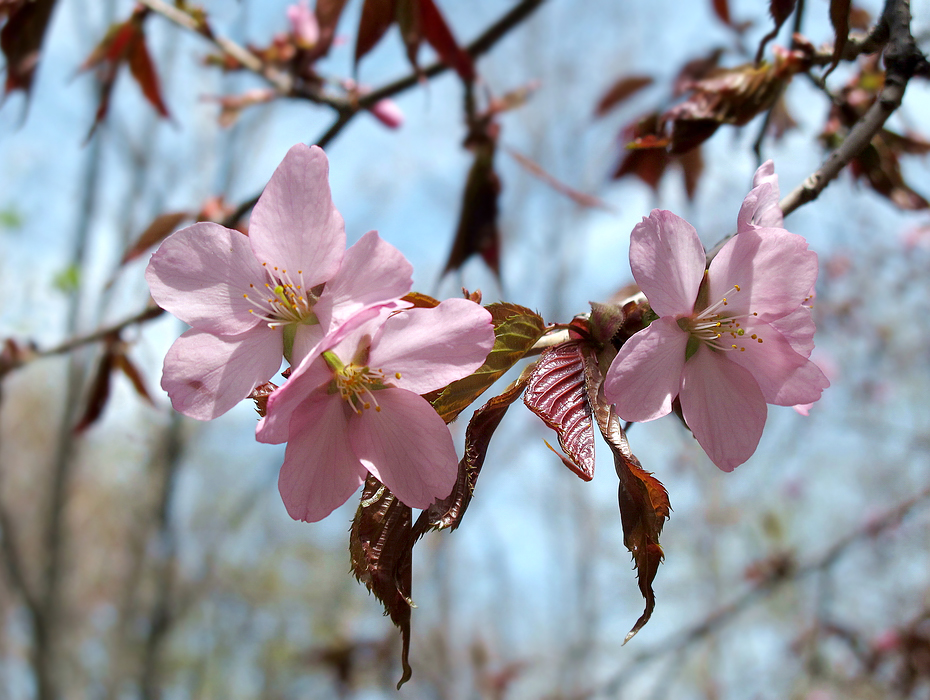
[903, 60]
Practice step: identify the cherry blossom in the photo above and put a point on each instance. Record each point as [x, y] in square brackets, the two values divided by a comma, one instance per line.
[353, 407]
[251, 300]
[728, 341]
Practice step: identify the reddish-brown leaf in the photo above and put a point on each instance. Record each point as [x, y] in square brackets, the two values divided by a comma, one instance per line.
[620, 91]
[328, 13]
[435, 30]
[448, 512]
[556, 393]
[128, 368]
[780, 10]
[536, 170]
[99, 390]
[839, 17]
[722, 10]
[377, 17]
[161, 226]
[381, 548]
[692, 166]
[420, 300]
[879, 165]
[695, 69]
[644, 504]
[648, 164]
[21, 41]
[516, 330]
[477, 230]
[143, 70]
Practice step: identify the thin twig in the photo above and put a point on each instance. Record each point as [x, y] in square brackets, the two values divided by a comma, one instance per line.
[347, 110]
[903, 60]
[765, 589]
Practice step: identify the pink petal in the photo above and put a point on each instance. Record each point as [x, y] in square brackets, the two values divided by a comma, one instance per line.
[803, 409]
[668, 262]
[306, 339]
[785, 377]
[760, 208]
[644, 377]
[407, 447]
[304, 26]
[307, 379]
[320, 472]
[797, 328]
[724, 407]
[373, 272]
[765, 173]
[206, 375]
[295, 226]
[200, 275]
[773, 268]
[431, 347]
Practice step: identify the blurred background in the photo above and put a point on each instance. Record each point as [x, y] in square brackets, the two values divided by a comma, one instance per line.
[150, 556]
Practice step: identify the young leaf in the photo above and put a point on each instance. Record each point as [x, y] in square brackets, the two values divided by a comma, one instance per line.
[722, 10]
[161, 226]
[377, 17]
[516, 330]
[382, 554]
[21, 41]
[327, 13]
[128, 368]
[839, 17]
[556, 393]
[143, 70]
[448, 512]
[437, 33]
[644, 504]
[477, 230]
[620, 91]
[99, 390]
[780, 10]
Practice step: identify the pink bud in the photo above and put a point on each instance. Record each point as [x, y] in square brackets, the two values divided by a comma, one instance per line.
[388, 113]
[304, 26]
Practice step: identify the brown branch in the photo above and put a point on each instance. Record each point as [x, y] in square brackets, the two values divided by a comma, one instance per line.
[766, 587]
[903, 60]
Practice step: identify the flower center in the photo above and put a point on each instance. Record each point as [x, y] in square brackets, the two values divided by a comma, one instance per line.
[717, 329]
[357, 383]
[284, 299]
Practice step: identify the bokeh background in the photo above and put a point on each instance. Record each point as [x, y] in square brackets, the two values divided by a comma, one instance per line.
[803, 574]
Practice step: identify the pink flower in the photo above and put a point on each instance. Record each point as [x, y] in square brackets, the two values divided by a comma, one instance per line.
[252, 299]
[727, 342]
[353, 407]
[304, 27]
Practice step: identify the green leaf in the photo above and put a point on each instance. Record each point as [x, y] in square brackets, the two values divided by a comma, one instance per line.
[516, 330]
[68, 280]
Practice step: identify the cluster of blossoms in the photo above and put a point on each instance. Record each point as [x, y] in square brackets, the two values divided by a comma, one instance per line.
[725, 340]
[728, 339]
[359, 355]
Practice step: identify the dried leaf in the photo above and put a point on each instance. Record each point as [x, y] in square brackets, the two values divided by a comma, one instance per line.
[644, 504]
[382, 554]
[556, 393]
[421, 301]
[161, 226]
[620, 91]
[448, 512]
[21, 41]
[516, 330]
[477, 230]
[839, 17]
[579, 198]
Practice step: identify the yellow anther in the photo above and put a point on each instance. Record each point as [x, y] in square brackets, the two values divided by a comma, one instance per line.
[736, 287]
[397, 375]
